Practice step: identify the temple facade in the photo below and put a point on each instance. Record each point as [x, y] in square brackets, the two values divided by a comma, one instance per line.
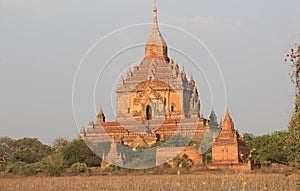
[155, 101]
[229, 147]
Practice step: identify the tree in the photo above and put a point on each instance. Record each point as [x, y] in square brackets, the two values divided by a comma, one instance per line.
[177, 140]
[294, 126]
[78, 151]
[269, 148]
[6, 149]
[54, 164]
[294, 135]
[29, 150]
[58, 144]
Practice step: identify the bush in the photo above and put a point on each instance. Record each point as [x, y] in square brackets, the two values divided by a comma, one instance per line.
[78, 151]
[111, 168]
[21, 168]
[2, 166]
[78, 168]
[14, 168]
[53, 164]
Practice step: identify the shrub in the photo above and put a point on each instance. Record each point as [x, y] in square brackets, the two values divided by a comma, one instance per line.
[22, 168]
[111, 168]
[14, 168]
[2, 166]
[53, 164]
[78, 168]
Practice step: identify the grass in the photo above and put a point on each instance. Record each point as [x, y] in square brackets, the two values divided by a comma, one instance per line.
[202, 181]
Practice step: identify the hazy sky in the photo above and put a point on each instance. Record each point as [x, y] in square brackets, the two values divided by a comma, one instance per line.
[42, 43]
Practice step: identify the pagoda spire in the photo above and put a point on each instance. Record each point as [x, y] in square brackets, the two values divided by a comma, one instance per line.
[192, 80]
[201, 115]
[227, 123]
[101, 116]
[121, 80]
[82, 133]
[129, 73]
[221, 121]
[156, 47]
[91, 123]
[213, 121]
[155, 23]
[100, 110]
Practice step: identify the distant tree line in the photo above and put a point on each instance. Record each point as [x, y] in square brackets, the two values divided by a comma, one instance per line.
[28, 156]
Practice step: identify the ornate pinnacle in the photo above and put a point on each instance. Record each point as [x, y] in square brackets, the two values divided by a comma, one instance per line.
[100, 110]
[129, 73]
[227, 113]
[183, 70]
[121, 81]
[101, 116]
[155, 23]
[82, 129]
[192, 80]
[201, 114]
[154, 8]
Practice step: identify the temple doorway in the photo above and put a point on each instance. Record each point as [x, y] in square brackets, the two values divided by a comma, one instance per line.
[148, 112]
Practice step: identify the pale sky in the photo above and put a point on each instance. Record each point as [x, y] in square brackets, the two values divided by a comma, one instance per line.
[43, 41]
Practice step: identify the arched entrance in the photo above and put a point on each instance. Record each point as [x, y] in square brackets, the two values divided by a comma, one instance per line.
[148, 112]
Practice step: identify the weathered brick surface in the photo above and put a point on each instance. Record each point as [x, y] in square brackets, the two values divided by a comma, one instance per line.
[156, 101]
[229, 147]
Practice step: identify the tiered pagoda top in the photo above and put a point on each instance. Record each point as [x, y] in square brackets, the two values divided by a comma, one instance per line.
[156, 65]
[156, 47]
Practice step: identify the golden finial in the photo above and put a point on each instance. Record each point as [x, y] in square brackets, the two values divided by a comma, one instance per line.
[154, 8]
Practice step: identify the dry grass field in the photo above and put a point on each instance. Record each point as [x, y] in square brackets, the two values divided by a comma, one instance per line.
[205, 181]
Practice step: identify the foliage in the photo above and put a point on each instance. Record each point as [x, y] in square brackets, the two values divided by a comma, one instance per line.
[53, 164]
[294, 126]
[269, 148]
[111, 168]
[176, 160]
[180, 161]
[2, 166]
[248, 137]
[294, 137]
[29, 150]
[78, 151]
[58, 144]
[78, 168]
[22, 168]
[143, 158]
[177, 140]
[294, 58]
[6, 148]
[208, 156]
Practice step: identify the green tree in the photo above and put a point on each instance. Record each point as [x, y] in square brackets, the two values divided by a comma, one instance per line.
[294, 126]
[78, 151]
[177, 140]
[78, 168]
[269, 148]
[53, 164]
[6, 149]
[58, 144]
[29, 150]
[294, 136]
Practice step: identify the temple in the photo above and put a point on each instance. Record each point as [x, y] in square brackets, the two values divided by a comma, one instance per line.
[157, 101]
[230, 146]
